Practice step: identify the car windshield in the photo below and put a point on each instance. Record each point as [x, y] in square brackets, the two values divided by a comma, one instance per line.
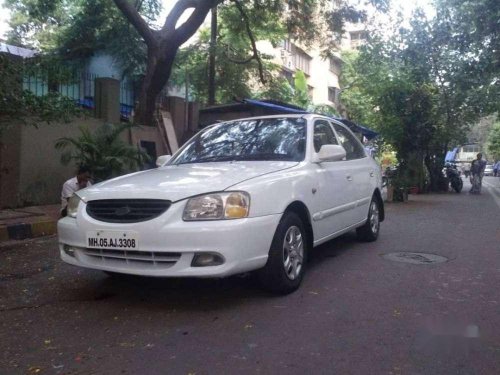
[259, 139]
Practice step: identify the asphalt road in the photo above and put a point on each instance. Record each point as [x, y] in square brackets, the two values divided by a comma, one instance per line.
[356, 312]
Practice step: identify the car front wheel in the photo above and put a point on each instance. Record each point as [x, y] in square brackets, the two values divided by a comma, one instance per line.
[285, 266]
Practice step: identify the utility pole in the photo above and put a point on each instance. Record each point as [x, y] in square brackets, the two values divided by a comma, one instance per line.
[211, 59]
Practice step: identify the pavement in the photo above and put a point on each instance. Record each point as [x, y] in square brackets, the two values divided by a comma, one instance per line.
[357, 311]
[28, 222]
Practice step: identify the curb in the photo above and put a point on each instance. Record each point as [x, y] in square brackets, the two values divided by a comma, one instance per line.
[22, 231]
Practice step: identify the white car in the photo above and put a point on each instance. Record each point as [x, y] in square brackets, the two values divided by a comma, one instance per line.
[244, 195]
[488, 170]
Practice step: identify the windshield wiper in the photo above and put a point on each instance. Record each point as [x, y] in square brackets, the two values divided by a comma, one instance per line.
[266, 156]
[211, 159]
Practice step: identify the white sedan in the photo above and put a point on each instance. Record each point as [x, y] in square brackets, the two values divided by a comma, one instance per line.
[255, 194]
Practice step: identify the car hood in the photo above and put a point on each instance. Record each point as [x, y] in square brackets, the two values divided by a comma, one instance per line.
[178, 182]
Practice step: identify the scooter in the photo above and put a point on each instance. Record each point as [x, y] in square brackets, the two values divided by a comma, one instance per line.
[454, 177]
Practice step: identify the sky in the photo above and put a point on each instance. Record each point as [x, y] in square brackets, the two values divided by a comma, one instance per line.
[406, 6]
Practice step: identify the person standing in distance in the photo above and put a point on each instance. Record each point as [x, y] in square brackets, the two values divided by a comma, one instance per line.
[80, 181]
[477, 172]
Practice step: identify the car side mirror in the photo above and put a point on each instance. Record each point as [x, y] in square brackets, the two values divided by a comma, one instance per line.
[330, 153]
[162, 160]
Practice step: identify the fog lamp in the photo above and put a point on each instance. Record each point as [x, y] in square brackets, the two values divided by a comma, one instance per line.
[207, 259]
[69, 250]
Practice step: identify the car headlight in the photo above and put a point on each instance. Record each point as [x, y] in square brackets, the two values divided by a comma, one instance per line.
[217, 206]
[73, 203]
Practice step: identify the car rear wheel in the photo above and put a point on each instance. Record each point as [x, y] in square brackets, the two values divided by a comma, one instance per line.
[285, 266]
[370, 230]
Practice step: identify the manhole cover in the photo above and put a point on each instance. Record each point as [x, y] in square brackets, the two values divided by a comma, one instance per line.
[415, 258]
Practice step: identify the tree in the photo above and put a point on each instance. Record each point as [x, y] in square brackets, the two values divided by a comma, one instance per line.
[237, 72]
[18, 105]
[308, 22]
[162, 46]
[358, 105]
[417, 94]
[103, 151]
[474, 36]
[494, 142]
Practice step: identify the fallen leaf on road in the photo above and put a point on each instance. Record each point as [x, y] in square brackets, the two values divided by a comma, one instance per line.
[34, 370]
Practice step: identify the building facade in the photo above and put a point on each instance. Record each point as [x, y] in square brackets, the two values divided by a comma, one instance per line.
[322, 73]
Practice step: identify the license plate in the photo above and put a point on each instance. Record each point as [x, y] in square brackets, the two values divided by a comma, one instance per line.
[104, 239]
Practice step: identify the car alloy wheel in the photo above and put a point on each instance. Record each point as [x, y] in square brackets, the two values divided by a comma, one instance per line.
[371, 228]
[293, 252]
[374, 218]
[287, 259]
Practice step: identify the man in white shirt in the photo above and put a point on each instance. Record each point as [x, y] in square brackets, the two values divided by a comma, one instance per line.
[80, 181]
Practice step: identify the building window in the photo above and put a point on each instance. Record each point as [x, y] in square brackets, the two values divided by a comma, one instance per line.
[288, 76]
[301, 60]
[358, 38]
[335, 66]
[310, 90]
[333, 94]
[287, 45]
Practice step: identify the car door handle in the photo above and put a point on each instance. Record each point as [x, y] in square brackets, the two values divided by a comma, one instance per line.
[349, 178]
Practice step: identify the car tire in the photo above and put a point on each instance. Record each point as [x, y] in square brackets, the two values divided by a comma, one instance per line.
[285, 265]
[371, 228]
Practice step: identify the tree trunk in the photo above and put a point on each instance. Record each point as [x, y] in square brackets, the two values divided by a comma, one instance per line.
[162, 47]
[158, 71]
[435, 168]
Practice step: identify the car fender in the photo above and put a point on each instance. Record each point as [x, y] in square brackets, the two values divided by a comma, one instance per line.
[271, 194]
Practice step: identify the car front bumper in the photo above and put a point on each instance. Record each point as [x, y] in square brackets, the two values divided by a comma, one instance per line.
[167, 245]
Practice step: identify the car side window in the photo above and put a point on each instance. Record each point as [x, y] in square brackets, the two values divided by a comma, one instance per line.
[323, 135]
[352, 147]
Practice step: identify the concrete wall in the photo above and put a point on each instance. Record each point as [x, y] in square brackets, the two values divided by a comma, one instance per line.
[36, 162]
[31, 172]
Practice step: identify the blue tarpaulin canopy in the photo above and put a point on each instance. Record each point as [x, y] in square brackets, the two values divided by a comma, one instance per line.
[451, 155]
[287, 108]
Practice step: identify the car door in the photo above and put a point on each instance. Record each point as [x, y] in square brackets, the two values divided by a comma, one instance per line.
[359, 171]
[332, 199]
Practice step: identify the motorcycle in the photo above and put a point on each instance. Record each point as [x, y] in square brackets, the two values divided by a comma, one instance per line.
[454, 177]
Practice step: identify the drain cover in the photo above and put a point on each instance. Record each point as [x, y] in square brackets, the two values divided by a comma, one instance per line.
[415, 258]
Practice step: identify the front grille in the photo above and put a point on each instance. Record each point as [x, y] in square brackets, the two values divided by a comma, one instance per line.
[150, 259]
[126, 210]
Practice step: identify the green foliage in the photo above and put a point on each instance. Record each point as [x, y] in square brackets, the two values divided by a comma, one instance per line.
[357, 102]
[494, 142]
[76, 29]
[413, 88]
[103, 151]
[278, 89]
[472, 34]
[324, 109]
[301, 97]
[237, 75]
[17, 104]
